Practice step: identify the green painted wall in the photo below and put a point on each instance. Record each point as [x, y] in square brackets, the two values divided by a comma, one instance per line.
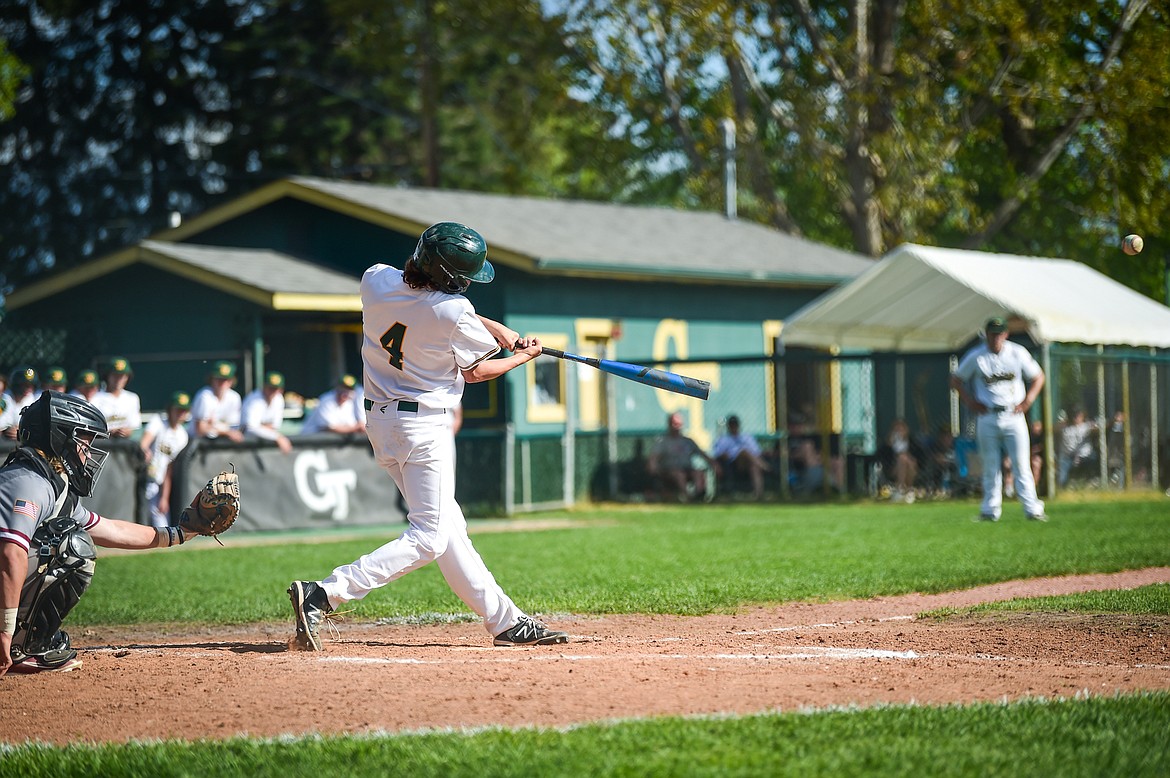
[145, 311]
[659, 321]
[171, 329]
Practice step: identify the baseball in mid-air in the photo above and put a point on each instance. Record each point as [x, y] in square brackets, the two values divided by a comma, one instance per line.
[1132, 244]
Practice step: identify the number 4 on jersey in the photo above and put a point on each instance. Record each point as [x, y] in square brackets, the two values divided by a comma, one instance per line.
[392, 340]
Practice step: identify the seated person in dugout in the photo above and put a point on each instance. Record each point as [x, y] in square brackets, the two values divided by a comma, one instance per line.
[807, 473]
[901, 458]
[671, 463]
[942, 467]
[737, 455]
[1076, 445]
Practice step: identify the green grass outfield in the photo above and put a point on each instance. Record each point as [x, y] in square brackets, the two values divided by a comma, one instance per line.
[691, 560]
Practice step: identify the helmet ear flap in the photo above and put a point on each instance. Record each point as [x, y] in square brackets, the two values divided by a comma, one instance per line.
[35, 428]
[451, 283]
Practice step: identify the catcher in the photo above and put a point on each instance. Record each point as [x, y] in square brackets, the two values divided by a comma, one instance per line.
[47, 537]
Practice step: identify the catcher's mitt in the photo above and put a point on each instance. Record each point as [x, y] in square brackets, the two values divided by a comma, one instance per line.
[214, 508]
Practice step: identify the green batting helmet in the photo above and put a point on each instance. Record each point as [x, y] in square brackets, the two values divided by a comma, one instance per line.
[453, 255]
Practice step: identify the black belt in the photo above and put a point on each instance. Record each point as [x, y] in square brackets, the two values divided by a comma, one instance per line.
[996, 409]
[408, 406]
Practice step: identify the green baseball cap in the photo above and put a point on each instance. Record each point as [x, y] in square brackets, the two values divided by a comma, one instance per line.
[120, 365]
[56, 376]
[348, 381]
[181, 400]
[223, 369]
[274, 379]
[87, 378]
[22, 376]
[995, 325]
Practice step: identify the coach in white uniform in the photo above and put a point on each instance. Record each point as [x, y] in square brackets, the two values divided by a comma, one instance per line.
[422, 340]
[990, 380]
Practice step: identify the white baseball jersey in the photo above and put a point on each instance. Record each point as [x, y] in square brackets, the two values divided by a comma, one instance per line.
[207, 406]
[998, 379]
[415, 342]
[409, 337]
[331, 413]
[168, 441]
[122, 410]
[26, 500]
[15, 405]
[731, 446]
[260, 417]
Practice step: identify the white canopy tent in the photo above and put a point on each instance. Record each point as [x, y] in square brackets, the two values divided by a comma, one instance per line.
[926, 299]
[921, 299]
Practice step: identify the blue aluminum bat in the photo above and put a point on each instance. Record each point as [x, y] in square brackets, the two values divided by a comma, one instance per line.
[659, 379]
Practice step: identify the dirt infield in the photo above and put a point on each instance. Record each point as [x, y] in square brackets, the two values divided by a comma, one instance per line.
[137, 684]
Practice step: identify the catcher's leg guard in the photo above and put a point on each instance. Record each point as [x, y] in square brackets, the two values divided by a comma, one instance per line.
[59, 573]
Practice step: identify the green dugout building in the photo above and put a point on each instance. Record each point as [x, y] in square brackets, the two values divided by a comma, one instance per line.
[270, 280]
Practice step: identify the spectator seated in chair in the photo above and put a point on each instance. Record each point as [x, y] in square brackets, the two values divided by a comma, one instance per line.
[737, 456]
[901, 458]
[672, 464]
[1076, 446]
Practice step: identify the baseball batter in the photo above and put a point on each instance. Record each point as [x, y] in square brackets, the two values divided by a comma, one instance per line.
[990, 380]
[422, 341]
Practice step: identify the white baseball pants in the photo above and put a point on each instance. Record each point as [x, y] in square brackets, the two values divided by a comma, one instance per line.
[998, 434]
[418, 451]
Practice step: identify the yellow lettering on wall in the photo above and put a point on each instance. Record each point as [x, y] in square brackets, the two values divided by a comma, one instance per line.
[671, 342]
[594, 339]
[772, 330]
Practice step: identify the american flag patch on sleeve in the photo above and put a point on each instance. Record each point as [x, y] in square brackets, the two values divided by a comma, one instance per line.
[30, 509]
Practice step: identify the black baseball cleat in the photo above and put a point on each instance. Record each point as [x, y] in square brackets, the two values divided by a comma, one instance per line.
[36, 664]
[310, 608]
[1038, 517]
[988, 517]
[530, 632]
[58, 657]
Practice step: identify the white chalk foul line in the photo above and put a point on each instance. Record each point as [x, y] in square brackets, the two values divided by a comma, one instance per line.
[796, 653]
[818, 626]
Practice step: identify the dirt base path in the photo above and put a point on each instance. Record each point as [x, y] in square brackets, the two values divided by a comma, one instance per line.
[137, 684]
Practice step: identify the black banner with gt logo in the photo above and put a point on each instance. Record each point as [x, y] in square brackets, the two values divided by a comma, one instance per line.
[326, 482]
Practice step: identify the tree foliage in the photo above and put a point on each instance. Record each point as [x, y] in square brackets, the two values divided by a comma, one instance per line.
[133, 110]
[454, 94]
[113, 126]
[12, 73]
[1011, 125]
[1027, 126]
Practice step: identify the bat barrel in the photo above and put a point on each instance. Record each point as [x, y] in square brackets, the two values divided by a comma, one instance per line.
[659, 379]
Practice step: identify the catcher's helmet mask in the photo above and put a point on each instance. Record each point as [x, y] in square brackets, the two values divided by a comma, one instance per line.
[453, 255]
[66, 428]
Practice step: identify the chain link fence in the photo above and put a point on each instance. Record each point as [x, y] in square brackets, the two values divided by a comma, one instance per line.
[37, 347]
[823, 425]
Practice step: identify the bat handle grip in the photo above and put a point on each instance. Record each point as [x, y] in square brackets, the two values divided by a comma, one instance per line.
[552, 352]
